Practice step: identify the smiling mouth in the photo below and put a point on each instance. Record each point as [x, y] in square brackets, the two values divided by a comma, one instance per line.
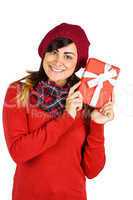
[55, 69]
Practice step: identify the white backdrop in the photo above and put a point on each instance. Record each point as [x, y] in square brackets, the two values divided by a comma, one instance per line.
[108, 25]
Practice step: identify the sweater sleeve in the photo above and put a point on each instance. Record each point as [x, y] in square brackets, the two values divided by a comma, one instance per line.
[22, 144]
[94, 158]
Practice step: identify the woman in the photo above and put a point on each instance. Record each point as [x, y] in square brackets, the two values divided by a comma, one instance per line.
[55, 140]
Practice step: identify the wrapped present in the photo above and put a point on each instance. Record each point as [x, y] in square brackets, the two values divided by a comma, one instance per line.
[97, 82]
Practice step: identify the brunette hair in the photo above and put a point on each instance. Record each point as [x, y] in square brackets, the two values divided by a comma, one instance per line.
[34, 77]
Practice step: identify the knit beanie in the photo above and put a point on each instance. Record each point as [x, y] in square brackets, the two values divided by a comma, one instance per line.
[70, 31]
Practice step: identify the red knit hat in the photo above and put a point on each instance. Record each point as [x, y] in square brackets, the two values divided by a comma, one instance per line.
[70, 31]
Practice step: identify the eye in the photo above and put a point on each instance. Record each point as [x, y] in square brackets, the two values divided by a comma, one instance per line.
[68, 57]
[54, 52]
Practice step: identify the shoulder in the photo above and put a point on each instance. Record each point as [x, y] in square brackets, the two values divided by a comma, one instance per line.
[13, 89]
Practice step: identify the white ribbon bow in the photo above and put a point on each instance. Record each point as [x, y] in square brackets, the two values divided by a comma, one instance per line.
[98, 80]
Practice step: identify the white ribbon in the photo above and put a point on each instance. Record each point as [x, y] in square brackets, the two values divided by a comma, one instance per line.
[98, 80]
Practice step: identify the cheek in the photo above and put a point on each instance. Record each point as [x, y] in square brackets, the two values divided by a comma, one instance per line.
[48, 59]
[71, 67]
[44, 64]
[45, 67]
[70, 70]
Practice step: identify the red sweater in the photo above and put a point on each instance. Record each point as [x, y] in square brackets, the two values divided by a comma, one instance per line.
[53, 156]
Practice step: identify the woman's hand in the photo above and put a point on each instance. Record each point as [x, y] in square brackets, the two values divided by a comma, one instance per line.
[74, 101]
[105, 114]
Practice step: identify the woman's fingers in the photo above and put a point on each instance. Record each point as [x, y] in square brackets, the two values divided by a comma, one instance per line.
[75, 94]
[110, 106]
[77, 103]
[75, 97]
[106, 106]
[107, 111]
[113, 97]
[111, 101]
[73, 88]
[74, 100]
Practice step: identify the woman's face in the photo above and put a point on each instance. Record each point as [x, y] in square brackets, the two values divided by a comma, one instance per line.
[61, 63]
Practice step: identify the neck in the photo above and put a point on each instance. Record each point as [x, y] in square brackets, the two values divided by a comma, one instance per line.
[60, 82]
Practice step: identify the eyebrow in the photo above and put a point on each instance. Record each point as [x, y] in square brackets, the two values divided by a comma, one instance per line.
[67, 52]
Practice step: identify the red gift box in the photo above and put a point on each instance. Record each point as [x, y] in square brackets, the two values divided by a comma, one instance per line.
[97, 81]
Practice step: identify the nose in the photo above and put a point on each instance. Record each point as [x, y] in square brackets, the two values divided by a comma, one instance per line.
[59, 60]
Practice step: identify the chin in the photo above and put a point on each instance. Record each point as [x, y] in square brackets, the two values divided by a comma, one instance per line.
[54, 79]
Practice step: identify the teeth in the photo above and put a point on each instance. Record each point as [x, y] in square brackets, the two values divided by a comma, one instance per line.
[57, 70]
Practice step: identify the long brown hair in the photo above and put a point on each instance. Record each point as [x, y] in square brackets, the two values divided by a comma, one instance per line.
[34, 77]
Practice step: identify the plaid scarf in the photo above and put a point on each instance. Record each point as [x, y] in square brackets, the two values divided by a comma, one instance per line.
[51, 97]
